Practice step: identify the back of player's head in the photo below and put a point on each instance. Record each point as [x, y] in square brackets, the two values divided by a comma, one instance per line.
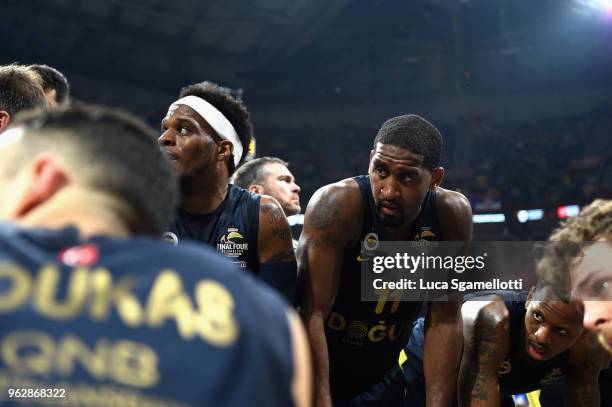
[20, 89]
[415, 134]
[108, 151]
[253, 172]
[53, 79]
[566, 243]
[233, 110]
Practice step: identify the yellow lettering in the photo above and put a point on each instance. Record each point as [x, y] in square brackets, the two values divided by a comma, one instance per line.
[377, 333]
[215, 321]
[20, 287]
[336, 321]
[47, 285]
[104, 294]
[38, 359]
[71, 349]
[168, 300]
[392, 335]
[134, 364]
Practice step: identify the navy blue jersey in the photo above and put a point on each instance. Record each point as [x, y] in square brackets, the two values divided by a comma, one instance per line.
[137, 322]
[515, 375]
[364, 338]
[232, 228]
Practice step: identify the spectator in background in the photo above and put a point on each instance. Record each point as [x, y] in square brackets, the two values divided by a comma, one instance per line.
[54, 84]
[19, 90]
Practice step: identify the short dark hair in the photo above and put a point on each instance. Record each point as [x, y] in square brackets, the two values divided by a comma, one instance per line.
[53, 79]
[233, 110]
[566, 243]
[415, 134]
[19, 89]
[113, 152]
[251, 172]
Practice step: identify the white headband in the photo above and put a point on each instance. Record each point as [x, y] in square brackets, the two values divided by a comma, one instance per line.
[216, 120]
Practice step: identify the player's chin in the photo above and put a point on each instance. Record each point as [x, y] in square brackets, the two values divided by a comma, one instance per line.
[390, 220]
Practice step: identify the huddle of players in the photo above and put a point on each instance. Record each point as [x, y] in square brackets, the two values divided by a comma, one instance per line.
[252, 350]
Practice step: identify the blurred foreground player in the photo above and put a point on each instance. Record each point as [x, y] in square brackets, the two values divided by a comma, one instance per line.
[588, 272]
[399, 200]
[205, 134]
[118, 319]
[514, 346]
[19, 90]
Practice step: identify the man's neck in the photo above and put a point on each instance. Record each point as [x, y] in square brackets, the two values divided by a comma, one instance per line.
[91, 212]
[204, 193]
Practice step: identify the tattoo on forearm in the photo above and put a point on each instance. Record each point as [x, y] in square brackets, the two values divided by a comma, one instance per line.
[281, 233]
[485, 356]
[282, 257]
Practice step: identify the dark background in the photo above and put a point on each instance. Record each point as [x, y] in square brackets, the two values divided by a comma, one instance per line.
[521, 89]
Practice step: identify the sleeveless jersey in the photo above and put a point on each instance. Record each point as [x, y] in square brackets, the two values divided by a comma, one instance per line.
[518, 376]
[122, 322]
[364, 338]
[232, 228]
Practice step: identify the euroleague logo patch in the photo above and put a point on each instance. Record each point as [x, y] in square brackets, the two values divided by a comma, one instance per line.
[233, 244]
[85, 255]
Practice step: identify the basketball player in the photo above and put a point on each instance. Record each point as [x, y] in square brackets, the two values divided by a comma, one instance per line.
[96, 310]
[19, 90]
[399, 199]
[589, 270]
[54, 84]
[516, 343]
[270, 176]
[205, 134]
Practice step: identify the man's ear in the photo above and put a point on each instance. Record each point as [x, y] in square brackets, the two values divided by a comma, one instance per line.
[258, 189]
[437, 175]
[5, 119]
[45, 179]
[225, 148]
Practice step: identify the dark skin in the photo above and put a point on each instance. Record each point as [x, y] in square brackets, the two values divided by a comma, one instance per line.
[334, 220]
[551, 328]
[201, 159]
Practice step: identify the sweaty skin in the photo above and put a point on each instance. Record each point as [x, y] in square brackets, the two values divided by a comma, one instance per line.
[551, 328]
[333, 221]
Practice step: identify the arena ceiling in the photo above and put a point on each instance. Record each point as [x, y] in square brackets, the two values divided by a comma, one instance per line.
[279, 44]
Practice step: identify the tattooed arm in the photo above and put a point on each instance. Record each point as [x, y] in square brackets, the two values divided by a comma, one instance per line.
[587, 358]
[486, 341]
[332, 219]
[276, 257]
[443, 328]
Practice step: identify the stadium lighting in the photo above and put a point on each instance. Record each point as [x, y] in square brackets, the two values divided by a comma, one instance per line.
[530, 214]
[568, 211]
[605, 5]
[489, 218]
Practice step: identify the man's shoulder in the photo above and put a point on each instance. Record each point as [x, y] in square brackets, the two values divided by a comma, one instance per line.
[453, 202]
[346, 193]
[454, 215]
